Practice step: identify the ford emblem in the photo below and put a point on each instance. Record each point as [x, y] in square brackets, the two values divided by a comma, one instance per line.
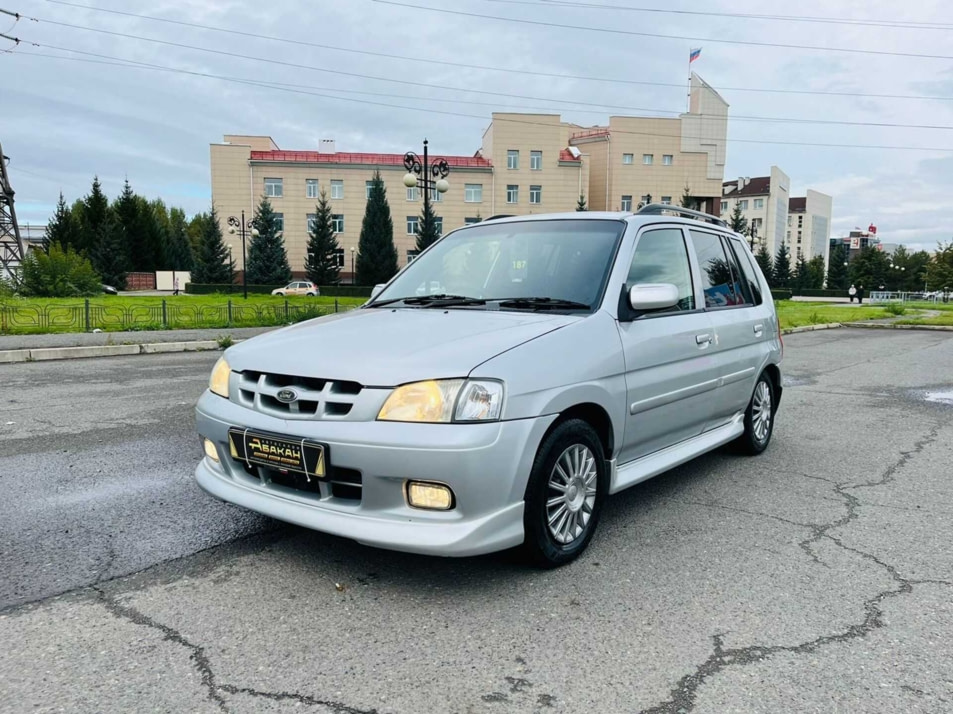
[287, 396]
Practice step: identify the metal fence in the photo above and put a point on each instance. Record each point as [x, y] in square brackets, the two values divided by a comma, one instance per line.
[84, 317]
[882, 296]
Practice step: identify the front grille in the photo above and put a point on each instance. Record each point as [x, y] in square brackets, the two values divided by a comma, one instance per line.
[341, 483]
[316, 398]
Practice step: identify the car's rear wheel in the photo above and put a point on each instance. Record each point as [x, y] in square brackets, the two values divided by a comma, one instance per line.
[280, 294]
[310, 294]
[564, 495]
[759, 418]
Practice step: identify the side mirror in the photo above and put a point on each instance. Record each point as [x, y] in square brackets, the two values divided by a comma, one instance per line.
[376, 290]
[652, 296]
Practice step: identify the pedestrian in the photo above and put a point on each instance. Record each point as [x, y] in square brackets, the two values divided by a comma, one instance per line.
[860, 295]
[175, 285]
[852, 292]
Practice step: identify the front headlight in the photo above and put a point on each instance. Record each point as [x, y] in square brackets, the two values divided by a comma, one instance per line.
[444, 400]
[218, 382]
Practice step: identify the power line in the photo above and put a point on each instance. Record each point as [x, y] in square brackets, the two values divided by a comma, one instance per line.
[738, 15]
[832, 122]
[616, 31]
[262, 84]
[471, 66]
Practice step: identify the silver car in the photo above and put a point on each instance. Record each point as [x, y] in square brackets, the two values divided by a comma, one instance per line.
[502, 385]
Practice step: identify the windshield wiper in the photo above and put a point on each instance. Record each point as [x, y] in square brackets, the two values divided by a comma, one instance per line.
[439, 300]
[542, 303]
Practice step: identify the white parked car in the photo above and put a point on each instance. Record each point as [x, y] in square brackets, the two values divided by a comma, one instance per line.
[298, 287]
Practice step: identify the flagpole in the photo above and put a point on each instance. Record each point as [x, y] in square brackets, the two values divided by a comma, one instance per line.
[689, 95]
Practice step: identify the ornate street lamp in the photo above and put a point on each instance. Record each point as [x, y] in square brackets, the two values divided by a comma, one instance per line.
[353, 276]
[233, 223]
[430, 175]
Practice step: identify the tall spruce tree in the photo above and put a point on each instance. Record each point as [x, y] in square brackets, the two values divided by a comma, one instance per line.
[738, 222]
[61, 229]
[581, 203]
[763, 258]
[93, 217]
[377, 254]
[688, 201]
[321, 263]
[815, 272]
[782, 266]
[801, 280]
[267, 257]
[160, 233]
[179, 249]
[213, 264]
[836, 269]
[108, 254]
[128, 210]
[427, 229]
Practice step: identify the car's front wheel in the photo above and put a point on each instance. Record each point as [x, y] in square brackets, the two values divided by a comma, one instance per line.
[564, 497]
[279, 294]
[759, 418]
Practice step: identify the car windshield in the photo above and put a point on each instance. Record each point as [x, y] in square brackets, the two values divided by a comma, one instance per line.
[551, 264]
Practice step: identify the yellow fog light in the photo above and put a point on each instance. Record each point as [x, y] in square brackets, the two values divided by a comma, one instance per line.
[432, 496]
[210, 450]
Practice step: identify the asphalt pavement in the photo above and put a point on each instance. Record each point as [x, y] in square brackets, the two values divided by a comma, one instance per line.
[817, 577]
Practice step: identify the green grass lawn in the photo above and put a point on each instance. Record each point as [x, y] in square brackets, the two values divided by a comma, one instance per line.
[799, 314]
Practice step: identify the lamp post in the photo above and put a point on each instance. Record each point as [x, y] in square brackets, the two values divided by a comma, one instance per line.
[353, 275]
[233, 223]
[429, 175]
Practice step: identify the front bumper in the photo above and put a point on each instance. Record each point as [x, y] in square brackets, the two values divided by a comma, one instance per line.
[486, 466]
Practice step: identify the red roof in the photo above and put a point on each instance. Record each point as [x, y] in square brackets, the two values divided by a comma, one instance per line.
[797, 205]
[758, 186]
[566, 155]
[589, 133]
[316, 157]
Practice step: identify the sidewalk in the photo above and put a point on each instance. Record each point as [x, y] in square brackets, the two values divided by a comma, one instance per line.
[74, 345]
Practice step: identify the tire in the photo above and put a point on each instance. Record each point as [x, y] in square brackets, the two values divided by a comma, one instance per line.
[571, 456]
[310, 294]
[759, 418]
[280, 294]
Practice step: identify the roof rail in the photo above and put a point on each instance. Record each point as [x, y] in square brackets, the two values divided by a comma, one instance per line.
[658, 209]
[500, 215]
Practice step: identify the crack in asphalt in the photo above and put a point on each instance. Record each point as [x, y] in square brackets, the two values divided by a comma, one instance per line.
[198, 656]
[683, 696]
[336, 707]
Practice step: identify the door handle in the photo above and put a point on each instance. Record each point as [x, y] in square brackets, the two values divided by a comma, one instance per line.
[703, 339]
[758, 329]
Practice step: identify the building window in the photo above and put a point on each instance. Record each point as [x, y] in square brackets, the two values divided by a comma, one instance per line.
[536, 160]
[470, 220]
[438, 224]
[759, 203]
[799, 237]
[667, 159]
[473, 193]
[435, 195]
[743, 204]
[790, 219]
[412, 193]
[312, 221]
[627, 203]
[647, 159]
[628, 158]
[724, 206]
[512, 194]
[411, 254]
[513, 159]
[535, 194]
[800, 221]
[280, 222]
[339, 257]
[667, 200]
[311, 188]
[368, 185]
[646, 199]
[337, 189]
[337, 222]
[273, 187]
[413, 222]
[789, 237]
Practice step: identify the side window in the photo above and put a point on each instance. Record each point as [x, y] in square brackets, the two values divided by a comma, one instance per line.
[661, 257]
[734, 250]
[750, 273]
[720, 285]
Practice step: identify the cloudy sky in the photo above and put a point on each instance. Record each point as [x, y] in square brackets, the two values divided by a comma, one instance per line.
[71, 115]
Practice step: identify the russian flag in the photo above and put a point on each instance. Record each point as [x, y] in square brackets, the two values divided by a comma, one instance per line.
[694, 55]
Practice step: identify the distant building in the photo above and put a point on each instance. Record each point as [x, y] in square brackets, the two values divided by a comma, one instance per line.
[809, 225]
[857, 240]
[764, 201]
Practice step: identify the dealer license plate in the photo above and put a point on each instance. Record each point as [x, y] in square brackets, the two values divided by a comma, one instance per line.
[293, 455]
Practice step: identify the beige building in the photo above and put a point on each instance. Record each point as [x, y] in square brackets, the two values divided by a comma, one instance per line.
[764, 202]
[528, 163]
[809, 225]
[636, 160]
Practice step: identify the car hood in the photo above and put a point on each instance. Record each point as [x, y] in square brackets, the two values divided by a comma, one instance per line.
[385, 347]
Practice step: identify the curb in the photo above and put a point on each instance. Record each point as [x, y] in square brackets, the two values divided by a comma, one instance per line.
[810, 328]
[896, 326]
[58, 353]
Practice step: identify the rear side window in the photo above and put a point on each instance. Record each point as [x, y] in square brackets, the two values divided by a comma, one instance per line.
[738, 281]
[750, 274]
[661, 257]
[720, 284]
